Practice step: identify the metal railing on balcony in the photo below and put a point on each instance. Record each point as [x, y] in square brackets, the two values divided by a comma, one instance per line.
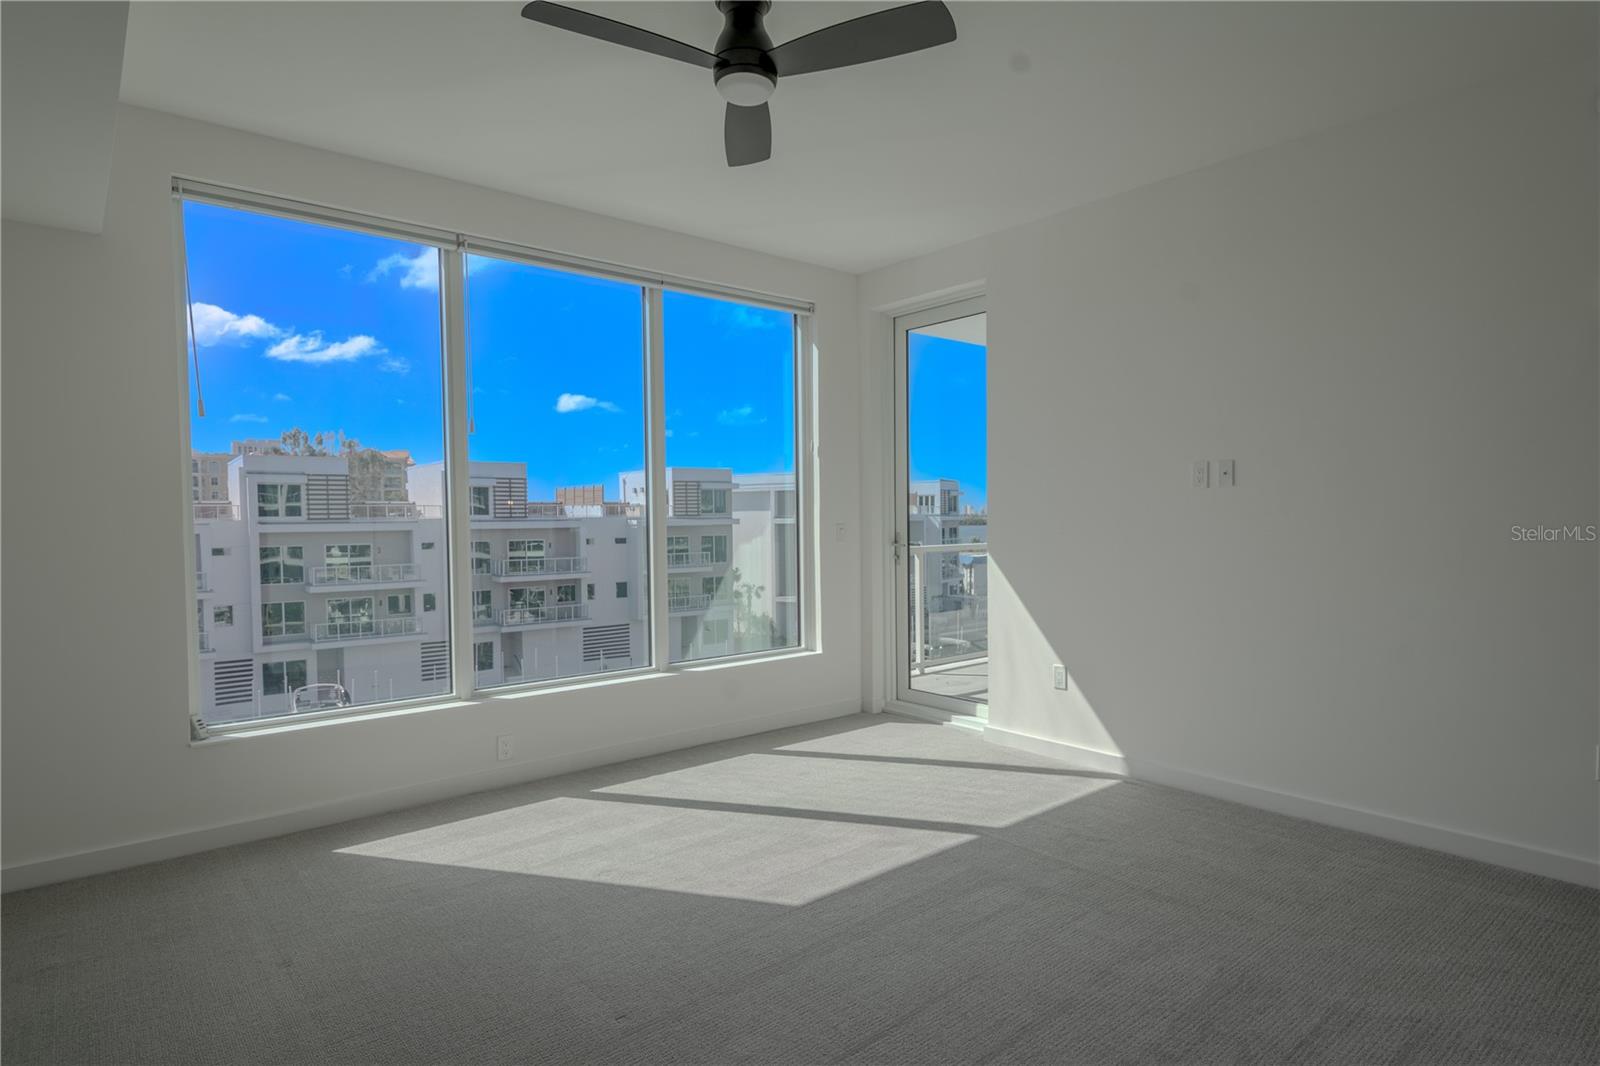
[959, 644]
[393, 511]
[542, 566]
[202, 581]
[365, 629]
[205, 641]
[364, 573]
[678, 559]
[539, 616]
[693, 602]
[514, 509]
[215, 510]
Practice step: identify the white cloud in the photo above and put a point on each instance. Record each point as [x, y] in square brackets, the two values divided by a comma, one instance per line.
[569, 402]
[740, 416]
[395, 364]
[311, 348]
[248, 418]
[213, 325]
[420, 271]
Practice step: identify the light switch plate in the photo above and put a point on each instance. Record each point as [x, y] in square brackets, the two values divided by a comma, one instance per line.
[1225, 473]
[1058, 676]
[1202, 474]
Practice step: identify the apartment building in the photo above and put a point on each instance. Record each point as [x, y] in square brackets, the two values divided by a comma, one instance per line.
[765, 543]
[950, 589]
[704, 604]
[208, 476]
[316, 575]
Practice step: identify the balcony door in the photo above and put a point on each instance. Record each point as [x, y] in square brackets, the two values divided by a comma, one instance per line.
[941, 509]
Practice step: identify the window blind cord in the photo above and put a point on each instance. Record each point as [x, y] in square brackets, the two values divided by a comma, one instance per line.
[194, 341]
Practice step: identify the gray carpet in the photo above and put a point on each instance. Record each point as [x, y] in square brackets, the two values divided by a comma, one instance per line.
[865, 890]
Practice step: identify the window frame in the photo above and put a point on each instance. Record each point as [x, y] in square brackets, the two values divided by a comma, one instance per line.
[452, 248]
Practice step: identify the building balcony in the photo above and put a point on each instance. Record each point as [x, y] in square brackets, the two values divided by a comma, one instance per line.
[559, 614]
[365, 629]
[543, 566]
[284, 633]
[216, 511]
[345, 575]
[545, 510]
[202, 581]
[684, 560]
[205, 643]
[393, 511]
[688, 604]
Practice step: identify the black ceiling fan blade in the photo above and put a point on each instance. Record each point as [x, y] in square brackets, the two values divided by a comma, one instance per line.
[877, 36]
[747, 134]
[604, 29]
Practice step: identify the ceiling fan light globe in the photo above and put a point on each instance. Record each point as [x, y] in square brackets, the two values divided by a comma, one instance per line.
[745, 88]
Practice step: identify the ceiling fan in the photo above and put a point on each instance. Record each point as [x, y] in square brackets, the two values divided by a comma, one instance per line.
[746, 67]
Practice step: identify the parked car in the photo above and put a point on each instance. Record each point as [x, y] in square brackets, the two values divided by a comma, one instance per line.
[320, 697]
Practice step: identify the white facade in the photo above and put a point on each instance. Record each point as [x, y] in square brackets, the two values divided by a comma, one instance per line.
[300, 585]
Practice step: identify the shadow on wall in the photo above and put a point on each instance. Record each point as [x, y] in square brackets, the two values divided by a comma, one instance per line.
[1020, 657]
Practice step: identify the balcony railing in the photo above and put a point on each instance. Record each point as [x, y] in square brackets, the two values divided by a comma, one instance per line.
[683, 604]
[393, 511]
[365, 629]
[205, 641]
[678, 559]
[364, 573]
[541, 616]
[543, 566]
[219, 510]
[514, 509]
[202, 581]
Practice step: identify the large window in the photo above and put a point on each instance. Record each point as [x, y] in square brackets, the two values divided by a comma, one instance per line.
[320, 351]
[730, 378]
[558, 418]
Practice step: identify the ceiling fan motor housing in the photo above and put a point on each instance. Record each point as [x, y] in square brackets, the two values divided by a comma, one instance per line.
[744, 73]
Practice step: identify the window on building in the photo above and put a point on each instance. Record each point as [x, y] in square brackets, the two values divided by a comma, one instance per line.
[622, 590]
[427, 545]
[734, 424]
[530, 327]
[480, 500]
[483, 655]
[280, 621]
[482, 557]
[589, 591]
[281, 679]
[283, 564]
[714, 548]
[482, 605]
[222, 616]
[429, 601]
[279, 500]
[363, 359]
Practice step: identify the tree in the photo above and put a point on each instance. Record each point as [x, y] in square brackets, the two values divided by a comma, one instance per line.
[752, 631]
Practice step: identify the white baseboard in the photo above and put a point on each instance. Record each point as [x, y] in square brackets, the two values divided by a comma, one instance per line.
[1546, 863]
[154, 849]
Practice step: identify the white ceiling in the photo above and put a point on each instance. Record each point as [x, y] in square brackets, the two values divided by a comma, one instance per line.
[1037, 106]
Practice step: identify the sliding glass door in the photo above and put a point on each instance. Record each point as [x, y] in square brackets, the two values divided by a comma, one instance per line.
[941, 509]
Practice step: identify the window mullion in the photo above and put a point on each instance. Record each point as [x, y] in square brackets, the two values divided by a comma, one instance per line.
[452, 282]
[656, 458]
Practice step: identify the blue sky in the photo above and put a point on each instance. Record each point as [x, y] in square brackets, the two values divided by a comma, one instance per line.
[305, 325]
[946, 388]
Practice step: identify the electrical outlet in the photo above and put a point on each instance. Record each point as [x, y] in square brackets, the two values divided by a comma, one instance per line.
[1202, 473]
[1058, 676]
[502, 748]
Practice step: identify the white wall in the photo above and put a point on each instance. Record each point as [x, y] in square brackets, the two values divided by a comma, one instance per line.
[96, 750]
[1391, 327]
